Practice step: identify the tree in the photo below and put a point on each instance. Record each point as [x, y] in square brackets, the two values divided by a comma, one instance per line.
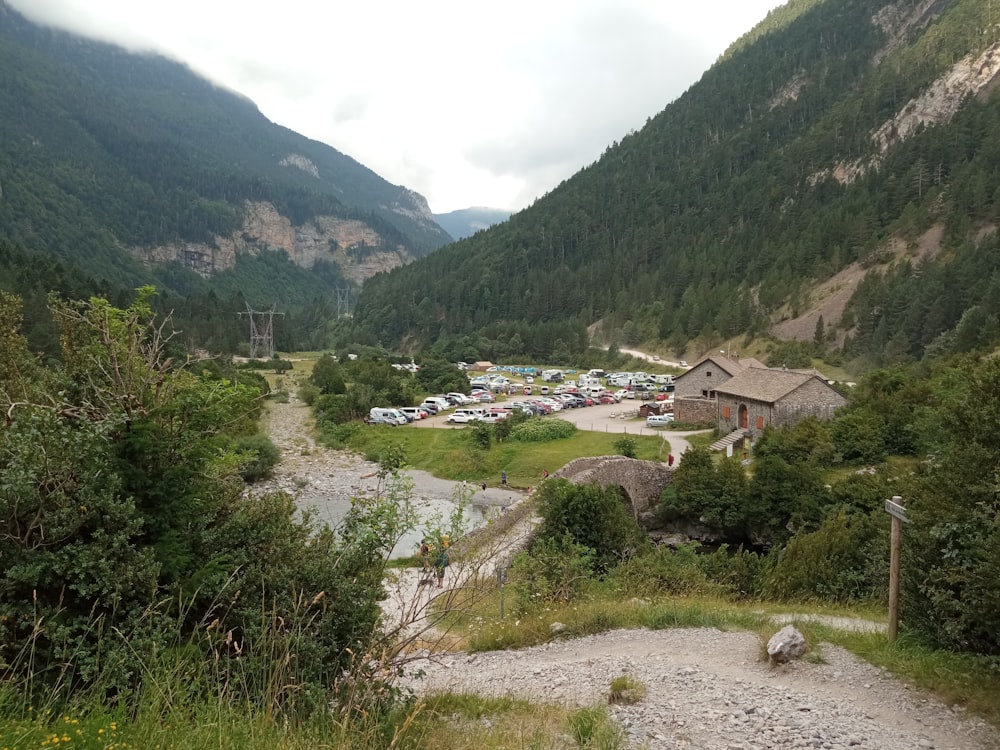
[951, 551]
[128, 538]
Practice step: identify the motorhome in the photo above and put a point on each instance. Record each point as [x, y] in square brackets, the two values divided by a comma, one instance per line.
[552, 376]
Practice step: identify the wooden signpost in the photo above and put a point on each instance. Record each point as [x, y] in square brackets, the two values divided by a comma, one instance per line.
[895, 509]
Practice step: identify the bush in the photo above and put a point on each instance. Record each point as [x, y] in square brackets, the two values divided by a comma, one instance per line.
[844, 560]
[664, 571]
[260, 456]
[308, 393]
[555, 571]
[626, 446]
[542, 430]
[591, 516]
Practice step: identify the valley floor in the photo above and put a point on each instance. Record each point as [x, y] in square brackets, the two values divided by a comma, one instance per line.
[706, 688]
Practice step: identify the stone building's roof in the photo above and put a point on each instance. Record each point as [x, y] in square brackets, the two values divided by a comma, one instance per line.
[765, 384]
[732, 366]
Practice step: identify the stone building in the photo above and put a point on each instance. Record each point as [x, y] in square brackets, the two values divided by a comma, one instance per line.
[694, 390]
[758, 397]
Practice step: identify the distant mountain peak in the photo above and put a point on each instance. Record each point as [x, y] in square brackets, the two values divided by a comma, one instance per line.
[465, 222]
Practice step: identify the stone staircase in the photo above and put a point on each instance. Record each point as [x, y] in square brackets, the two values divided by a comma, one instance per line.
[724, 442]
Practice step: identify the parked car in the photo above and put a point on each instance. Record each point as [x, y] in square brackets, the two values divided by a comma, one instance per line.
[659, 420]
[464, 416]
[414, 411]
[683, 363]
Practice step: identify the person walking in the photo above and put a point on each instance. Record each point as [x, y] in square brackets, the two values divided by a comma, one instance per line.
[670, 459]
[503, 478]
[441, 561]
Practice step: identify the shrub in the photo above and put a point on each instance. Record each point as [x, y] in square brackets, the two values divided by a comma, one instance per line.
[664, 571]
[626, 446]
[259, 456]
[481, 435]
[308, 393]
[556, 570]
[542, 430]
[591, 516]
[844, 560]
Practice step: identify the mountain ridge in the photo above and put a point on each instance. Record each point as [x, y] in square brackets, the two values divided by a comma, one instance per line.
[179, 163]
[719, 217]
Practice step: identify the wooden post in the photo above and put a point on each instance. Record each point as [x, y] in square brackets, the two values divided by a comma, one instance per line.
[895, 508]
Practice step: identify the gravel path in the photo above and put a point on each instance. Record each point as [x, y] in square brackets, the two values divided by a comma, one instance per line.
[706, 689]
[710, 689]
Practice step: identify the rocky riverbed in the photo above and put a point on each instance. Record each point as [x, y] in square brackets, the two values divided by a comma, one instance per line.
[325, 480]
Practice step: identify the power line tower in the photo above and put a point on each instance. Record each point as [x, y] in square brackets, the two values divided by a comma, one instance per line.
[343, 301]
[262, 333]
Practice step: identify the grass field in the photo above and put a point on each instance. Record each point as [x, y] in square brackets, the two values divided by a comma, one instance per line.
[451, 454]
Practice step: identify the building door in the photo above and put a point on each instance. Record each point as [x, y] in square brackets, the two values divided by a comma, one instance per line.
[744, 416]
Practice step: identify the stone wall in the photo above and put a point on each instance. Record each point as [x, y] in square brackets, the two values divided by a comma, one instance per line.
[813, 399]
[701, 380]
[694, 409]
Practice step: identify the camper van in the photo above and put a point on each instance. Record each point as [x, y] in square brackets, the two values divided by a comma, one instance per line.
[386, 416]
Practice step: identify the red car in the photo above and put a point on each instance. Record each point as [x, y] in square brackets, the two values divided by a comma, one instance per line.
[608, 400]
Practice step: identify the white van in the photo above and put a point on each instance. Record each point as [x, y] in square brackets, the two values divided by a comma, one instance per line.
[441, 403]
[386, 416]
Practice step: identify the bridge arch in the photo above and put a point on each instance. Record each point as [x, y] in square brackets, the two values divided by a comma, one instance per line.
[642, 481]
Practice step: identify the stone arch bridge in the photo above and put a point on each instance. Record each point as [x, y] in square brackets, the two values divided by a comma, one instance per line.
[643, 481]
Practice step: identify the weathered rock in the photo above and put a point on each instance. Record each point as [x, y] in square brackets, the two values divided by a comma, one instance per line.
[557, 628]
[785, 645]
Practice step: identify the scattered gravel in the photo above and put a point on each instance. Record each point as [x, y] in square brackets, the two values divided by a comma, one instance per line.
[711, 689]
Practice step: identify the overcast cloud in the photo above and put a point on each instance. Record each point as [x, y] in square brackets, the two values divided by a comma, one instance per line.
[468, 103]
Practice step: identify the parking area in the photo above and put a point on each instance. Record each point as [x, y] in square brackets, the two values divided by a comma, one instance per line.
[612, 418]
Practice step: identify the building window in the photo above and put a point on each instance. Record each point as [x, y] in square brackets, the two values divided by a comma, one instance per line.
[725, 412]
[760, 423]
[708, 373]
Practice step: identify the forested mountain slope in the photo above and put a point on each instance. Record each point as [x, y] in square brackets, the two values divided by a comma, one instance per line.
[124, 162]
[837, 136]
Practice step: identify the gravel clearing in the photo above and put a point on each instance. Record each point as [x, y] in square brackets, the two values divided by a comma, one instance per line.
[710, 689]
[706, 688]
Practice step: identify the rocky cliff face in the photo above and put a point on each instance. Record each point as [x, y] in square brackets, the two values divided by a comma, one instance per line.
[970, 76]
[354, 246]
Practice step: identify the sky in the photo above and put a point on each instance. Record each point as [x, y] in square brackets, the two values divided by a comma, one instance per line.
[468, 103]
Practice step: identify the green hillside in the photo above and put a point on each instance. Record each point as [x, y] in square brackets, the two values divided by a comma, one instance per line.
[789, 161]
[103, 151]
